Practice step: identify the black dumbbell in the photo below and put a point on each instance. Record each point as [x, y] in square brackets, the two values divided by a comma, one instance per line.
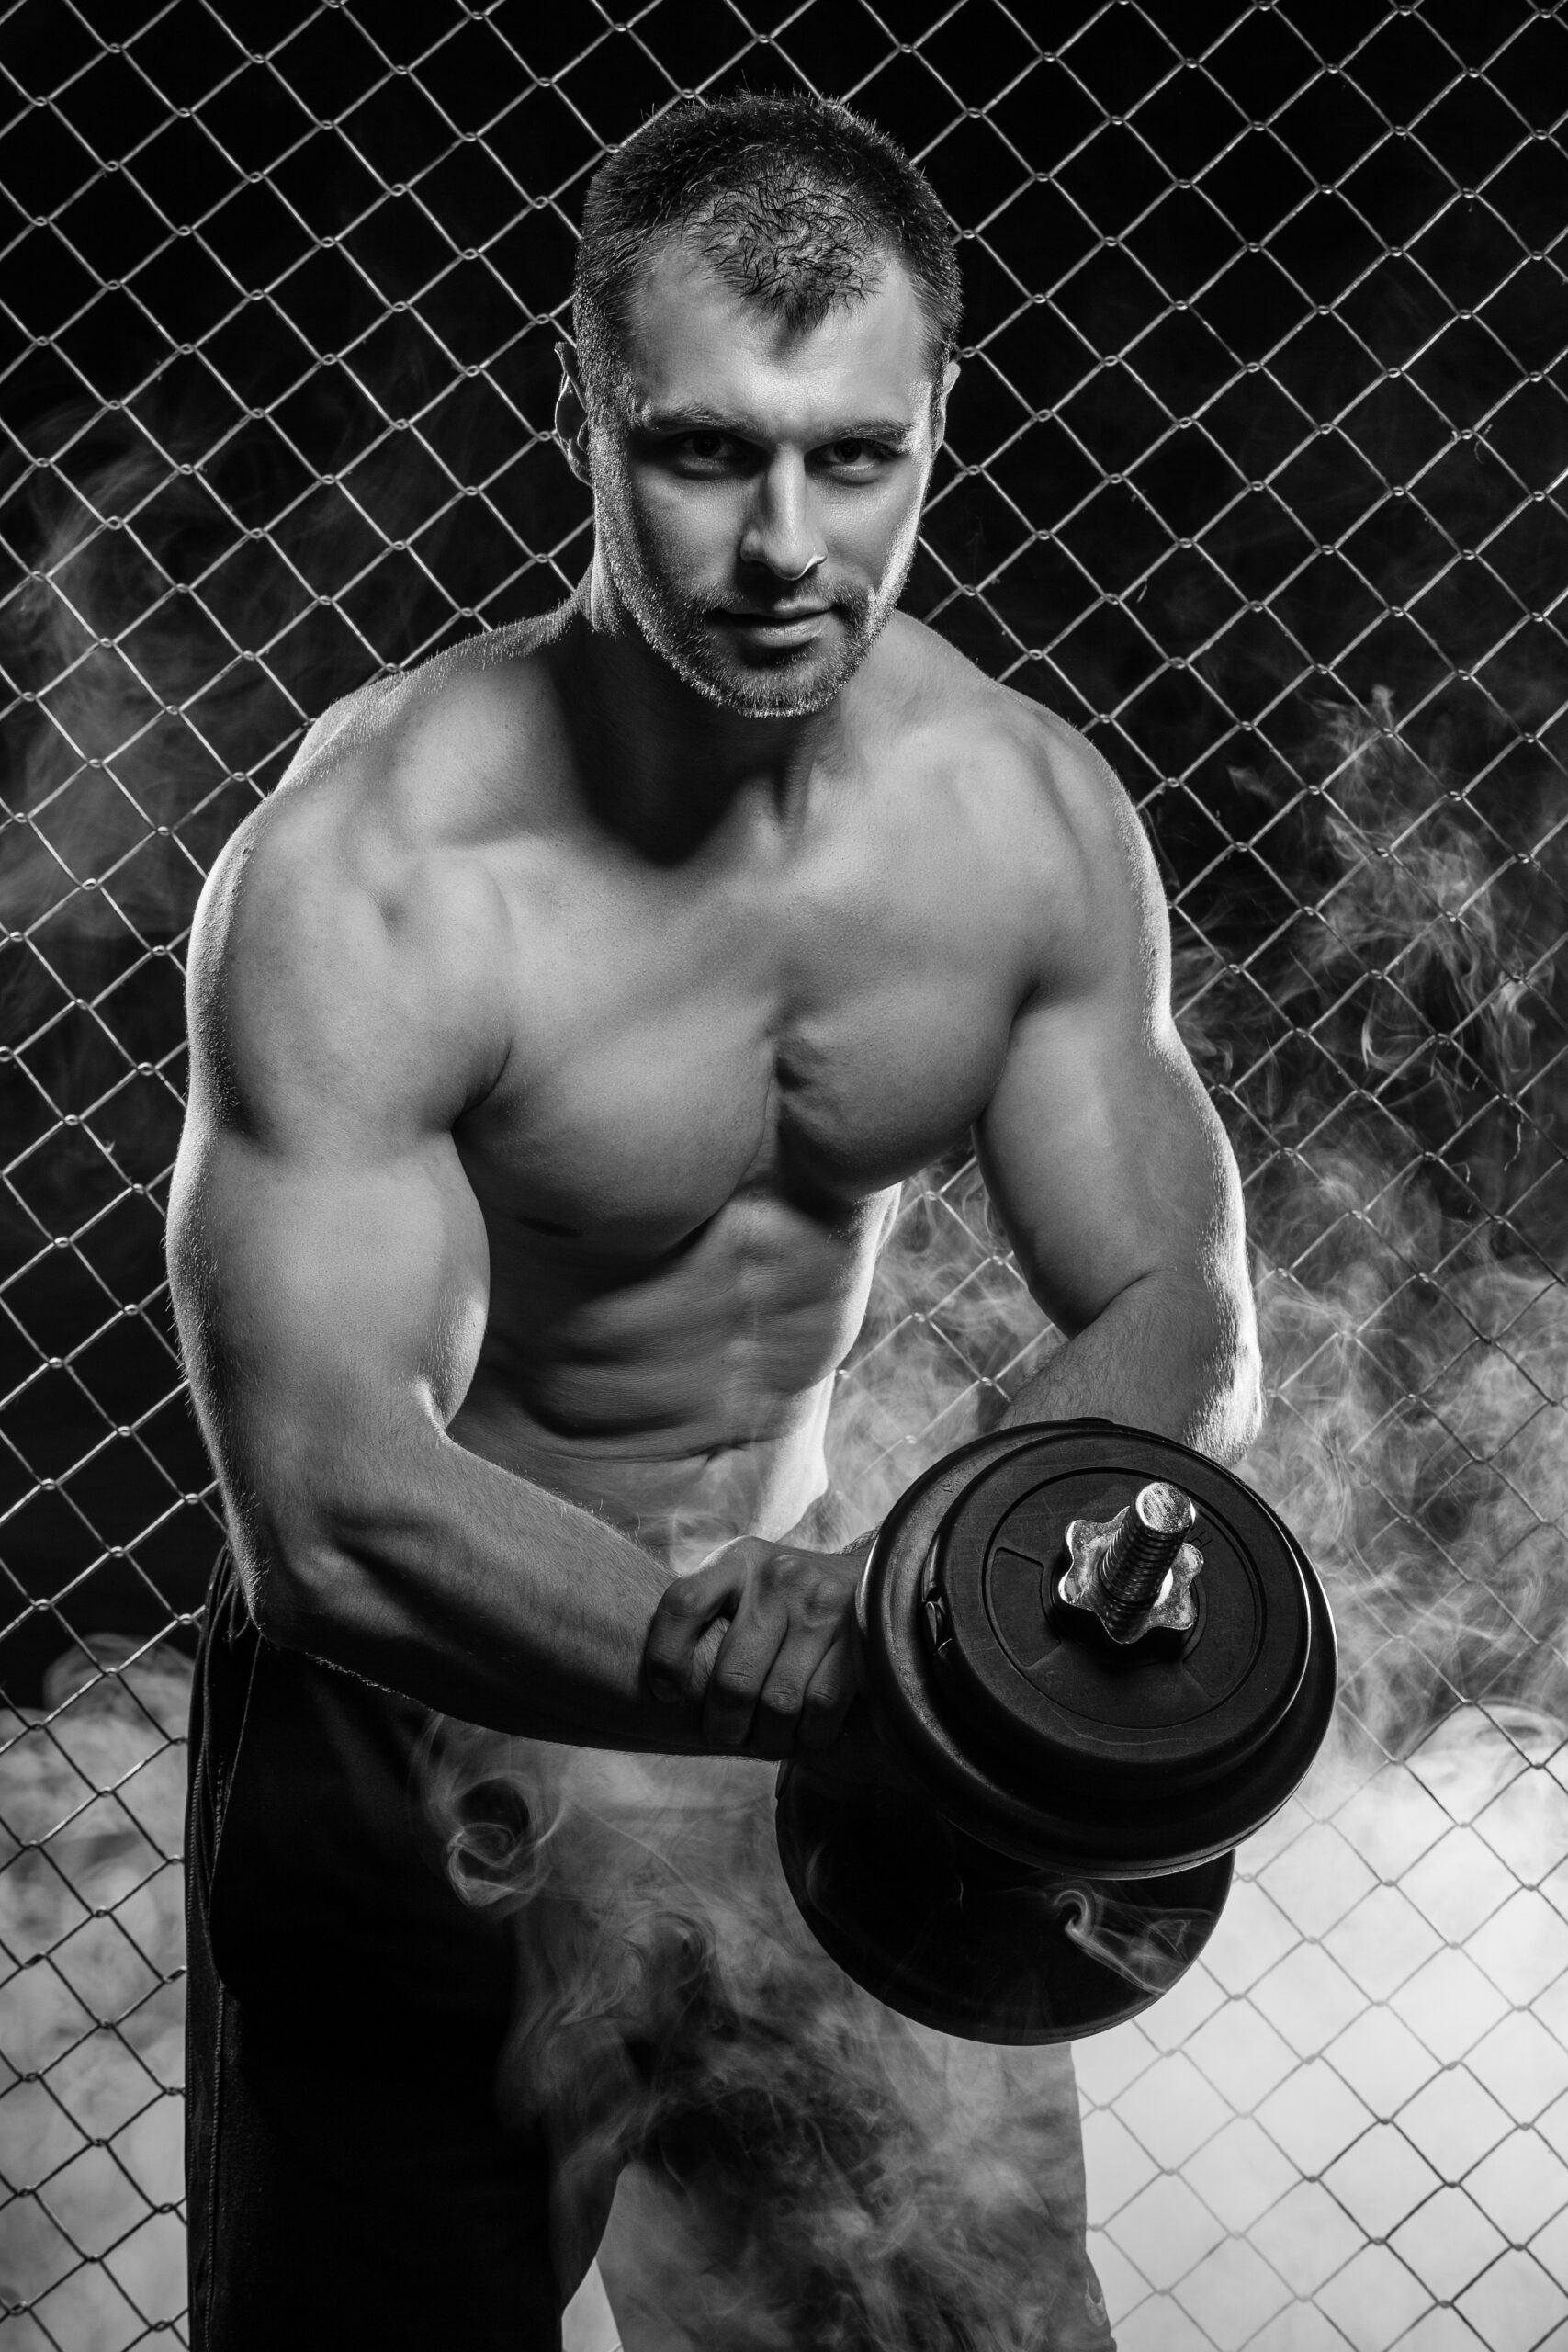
[1098, 1662]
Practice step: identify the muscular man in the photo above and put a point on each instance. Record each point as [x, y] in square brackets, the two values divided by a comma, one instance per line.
[561, 1030]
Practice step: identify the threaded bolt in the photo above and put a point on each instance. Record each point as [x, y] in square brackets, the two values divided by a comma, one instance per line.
[1155, 1525]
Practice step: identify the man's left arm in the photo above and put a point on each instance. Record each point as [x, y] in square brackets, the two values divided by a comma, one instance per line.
[1105, 1159]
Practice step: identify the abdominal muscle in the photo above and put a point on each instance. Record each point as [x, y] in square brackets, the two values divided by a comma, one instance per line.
[685, 1398]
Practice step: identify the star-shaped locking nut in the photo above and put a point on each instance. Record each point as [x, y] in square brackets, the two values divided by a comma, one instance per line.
[1135, 1573]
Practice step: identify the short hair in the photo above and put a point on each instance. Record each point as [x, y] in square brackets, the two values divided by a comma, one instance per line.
[793, 202]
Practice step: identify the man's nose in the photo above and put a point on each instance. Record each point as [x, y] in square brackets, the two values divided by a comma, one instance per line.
[781, 534]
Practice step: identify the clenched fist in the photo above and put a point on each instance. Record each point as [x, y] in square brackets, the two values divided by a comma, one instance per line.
[763, 1639]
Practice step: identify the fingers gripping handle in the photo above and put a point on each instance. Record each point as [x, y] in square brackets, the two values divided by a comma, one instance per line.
[760, 1640]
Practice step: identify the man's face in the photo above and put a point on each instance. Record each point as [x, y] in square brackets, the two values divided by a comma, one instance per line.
[758, 493]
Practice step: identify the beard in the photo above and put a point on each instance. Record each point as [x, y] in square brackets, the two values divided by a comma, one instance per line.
[689, 635]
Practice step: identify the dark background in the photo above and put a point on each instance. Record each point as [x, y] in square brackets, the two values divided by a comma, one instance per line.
[1259, 440]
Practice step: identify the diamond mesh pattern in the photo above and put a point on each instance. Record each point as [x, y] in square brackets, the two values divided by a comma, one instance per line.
[1254, 474]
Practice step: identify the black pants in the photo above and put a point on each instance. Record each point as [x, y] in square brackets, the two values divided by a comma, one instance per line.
[350, 2180]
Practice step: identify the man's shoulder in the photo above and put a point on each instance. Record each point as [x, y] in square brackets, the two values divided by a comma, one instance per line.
[426, 746]
[397, 786]
[1020, 771]
[368, 857]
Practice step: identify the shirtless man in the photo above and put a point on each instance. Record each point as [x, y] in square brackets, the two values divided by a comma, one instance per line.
[561, 1030]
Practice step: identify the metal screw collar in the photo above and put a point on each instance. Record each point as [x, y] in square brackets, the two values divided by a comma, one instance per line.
[1134, 1572]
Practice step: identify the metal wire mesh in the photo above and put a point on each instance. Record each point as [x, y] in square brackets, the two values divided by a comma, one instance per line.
[1253, 474]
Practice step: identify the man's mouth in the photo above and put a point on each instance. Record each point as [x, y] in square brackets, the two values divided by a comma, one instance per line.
[776, 625]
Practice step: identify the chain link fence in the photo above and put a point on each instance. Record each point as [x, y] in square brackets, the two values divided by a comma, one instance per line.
[1254, 475]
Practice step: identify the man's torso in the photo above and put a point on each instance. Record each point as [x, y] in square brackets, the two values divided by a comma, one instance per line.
[711, 1060]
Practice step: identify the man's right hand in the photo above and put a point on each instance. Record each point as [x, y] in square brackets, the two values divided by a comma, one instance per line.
[763, 1638]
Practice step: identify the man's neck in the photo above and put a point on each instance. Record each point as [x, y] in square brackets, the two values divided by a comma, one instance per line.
[665, 760]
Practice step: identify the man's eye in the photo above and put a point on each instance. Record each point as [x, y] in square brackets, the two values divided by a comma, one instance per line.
[855, 457]
[707, 449]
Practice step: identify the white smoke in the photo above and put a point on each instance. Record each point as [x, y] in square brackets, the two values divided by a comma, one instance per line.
[92, 1921]
[840, 2178]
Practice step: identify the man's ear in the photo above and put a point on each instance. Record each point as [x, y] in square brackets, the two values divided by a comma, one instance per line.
[572, 427]
[939, 404]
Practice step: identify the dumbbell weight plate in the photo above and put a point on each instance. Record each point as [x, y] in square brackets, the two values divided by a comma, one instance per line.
[1037, 1743]
[955, 1935]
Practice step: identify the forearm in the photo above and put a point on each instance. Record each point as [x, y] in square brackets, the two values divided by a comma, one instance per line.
[431, 1571]
[1164, 1355]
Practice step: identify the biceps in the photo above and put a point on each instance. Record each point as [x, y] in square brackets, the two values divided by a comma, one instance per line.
[308, 1294]
[1106, 1162]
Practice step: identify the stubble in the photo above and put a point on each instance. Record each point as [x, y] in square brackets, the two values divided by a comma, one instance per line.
[691, 639]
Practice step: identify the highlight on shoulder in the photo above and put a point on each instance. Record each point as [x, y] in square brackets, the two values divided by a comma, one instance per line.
[1069, 848]
[397, 778]
[359, 879]
[1042, 772]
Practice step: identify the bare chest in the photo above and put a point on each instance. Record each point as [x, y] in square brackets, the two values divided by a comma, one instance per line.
[677, 1049]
